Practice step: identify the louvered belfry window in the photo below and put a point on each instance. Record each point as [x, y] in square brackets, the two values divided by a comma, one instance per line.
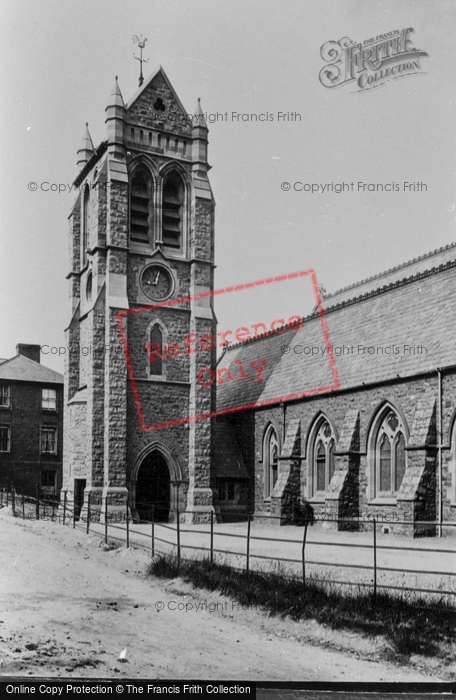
[140, 206]
[173, 192]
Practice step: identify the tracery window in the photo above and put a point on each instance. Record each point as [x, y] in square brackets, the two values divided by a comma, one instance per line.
[323, 459]
[390, 458]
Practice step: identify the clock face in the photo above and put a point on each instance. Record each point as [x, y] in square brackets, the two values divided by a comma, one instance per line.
[156, 282]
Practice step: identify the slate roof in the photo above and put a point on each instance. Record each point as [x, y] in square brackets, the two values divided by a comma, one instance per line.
[22, 369]
[413, 305]
[412, 267]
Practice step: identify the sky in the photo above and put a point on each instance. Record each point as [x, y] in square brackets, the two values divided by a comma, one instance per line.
[252, 57]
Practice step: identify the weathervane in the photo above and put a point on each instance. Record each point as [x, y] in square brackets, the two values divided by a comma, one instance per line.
[141, 43]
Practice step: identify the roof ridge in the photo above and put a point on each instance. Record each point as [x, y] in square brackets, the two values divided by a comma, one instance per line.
[37, 366]
[392, 269]
[392, 285]
[354, 300]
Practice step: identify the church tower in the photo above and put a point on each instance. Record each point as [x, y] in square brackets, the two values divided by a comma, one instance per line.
[141, 339]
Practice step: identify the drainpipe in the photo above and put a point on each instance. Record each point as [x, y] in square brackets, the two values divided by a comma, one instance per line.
[439, 447]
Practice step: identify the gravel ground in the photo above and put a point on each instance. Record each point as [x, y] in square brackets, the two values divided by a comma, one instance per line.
[70, 605]
[427, 563]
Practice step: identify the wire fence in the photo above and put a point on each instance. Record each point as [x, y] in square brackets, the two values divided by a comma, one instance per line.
[372, 564]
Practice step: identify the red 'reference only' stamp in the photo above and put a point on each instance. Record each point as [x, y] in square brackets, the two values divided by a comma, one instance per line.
[255, 369]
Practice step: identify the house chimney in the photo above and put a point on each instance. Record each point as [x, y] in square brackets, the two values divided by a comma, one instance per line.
[30, 351]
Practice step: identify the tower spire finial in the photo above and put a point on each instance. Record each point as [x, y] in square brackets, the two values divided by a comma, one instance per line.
[141, 44]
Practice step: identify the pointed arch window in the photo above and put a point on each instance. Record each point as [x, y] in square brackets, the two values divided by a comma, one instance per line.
[323, 462]
[141, 201]
[452, 468]
[173, 197]
[85, 224]
[156, 343]
[271, 460]
[390, 456]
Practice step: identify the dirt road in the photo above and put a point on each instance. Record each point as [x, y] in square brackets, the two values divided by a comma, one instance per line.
[68, 608]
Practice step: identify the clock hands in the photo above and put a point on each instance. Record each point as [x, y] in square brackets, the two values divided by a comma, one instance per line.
[156, 282]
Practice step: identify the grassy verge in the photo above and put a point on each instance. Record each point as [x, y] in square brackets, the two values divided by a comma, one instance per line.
[410, 625]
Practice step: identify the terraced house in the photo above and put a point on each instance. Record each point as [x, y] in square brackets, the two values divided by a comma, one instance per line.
[31, 424]
[362, 426]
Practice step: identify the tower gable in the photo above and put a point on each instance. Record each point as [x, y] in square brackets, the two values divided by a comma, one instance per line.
[156, 106]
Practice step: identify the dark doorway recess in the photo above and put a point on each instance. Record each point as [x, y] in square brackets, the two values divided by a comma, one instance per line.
[153, 488]
[79, 486]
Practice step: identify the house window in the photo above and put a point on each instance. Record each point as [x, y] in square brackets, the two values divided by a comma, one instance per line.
[323, 459]
[390, 460]
[271, 460]
[49, 400]
[49, 440]
[173, 197]
[4, 438]
[5, 396]
[141, 205]
[48, 478]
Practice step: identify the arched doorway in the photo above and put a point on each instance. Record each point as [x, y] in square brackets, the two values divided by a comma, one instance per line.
[153, 488]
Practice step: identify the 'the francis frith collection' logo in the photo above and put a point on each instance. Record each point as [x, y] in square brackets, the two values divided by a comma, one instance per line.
[371, 62]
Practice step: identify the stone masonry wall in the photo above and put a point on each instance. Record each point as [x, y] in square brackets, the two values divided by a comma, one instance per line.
[403, 395]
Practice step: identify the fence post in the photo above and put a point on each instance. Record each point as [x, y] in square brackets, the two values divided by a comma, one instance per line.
[1, 496]
[88, 512]
[64, 505]
[128, 524]
[212, 536]
[37, 506]
[153, 530]
[13, 500]
[374, 523]
[23, 505]
[178, 538]
[53, 506]
[74, 509]
[303, 552]
[106, 519]
[247, 563]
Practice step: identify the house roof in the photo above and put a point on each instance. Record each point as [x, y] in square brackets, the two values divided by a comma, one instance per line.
[22, 369]
[396, 325]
